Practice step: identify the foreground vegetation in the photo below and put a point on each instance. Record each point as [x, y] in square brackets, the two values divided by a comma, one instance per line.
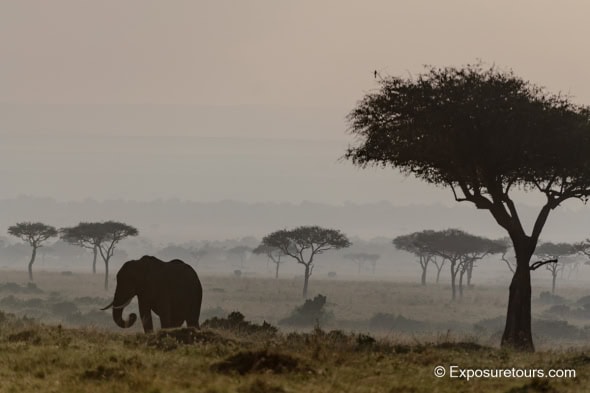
[372, 337]
[253, 358]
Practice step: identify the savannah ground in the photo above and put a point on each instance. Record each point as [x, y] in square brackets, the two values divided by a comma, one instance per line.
[377, 336]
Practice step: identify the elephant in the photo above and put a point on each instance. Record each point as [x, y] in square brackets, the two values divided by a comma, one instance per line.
[172, 290]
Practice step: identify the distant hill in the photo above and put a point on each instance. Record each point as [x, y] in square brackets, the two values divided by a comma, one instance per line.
[176, 221]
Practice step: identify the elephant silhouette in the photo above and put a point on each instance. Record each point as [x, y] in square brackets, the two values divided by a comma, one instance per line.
[172, 290]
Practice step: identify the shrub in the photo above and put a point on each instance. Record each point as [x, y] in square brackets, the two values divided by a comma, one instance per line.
[547, 297]
[235, 321]
[399, 322]
[312, 312]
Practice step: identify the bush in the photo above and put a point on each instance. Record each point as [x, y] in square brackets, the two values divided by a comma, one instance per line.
[547, 297]
[311, 313]
[235, 321]
[556, 329]
[64, 309]
[399, 323]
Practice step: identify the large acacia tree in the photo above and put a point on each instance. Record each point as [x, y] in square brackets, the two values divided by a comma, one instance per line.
[304, 243]
[34, 233]
[483, 133]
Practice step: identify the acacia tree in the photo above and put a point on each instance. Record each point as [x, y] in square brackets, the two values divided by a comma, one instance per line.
[86, 235]
[110, 234]
[362, 258]
[304, 243]
[554, 251]
[34, 233]
[199, 253]
[483, 133]
[439, 263]
[411, 243]
[461, 249]
[242, 252]
[273, 253]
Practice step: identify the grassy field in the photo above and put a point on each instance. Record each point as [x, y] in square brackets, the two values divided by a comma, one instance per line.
[374, 337]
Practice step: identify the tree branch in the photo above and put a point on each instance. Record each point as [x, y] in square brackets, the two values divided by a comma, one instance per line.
[538, 264]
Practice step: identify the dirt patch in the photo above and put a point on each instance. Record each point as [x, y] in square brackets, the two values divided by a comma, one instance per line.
[259, 361]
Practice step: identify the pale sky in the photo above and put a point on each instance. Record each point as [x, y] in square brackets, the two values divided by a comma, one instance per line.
[264, 71]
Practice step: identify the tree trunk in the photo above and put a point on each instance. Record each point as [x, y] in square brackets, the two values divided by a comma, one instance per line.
[438, 270]
[106, 275]
[423, 277]
[453, 279]
[461, 274]
[469, 274]
[517, 333]
[306, 279]
[554, 274]
[95, 252]
[33, 255]
[277, 270]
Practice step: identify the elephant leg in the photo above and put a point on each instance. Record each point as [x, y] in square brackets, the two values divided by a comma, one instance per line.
[192, 319]
[166, 318]
[145, 313]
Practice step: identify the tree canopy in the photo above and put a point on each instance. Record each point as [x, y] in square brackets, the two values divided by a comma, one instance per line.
[411, 243]
[101, 237]
[304, 243]
[85, 234]
[34, 233]
[483, 132]
[460, 248]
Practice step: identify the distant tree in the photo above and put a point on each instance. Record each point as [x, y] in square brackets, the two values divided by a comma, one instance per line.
[174, 251]
[461, 249]
[484, 133]
[241, 252]
[274, 254]
[362, 258]
[439, 263]
[304, 243]
[112, 233]
[34, 233]
[554, 251]
[584, 249]
[199, 253]
[101, 238]
[411, 243]
[86, 235]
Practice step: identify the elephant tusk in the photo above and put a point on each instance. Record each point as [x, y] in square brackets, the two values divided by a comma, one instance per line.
[123, 305]
[118, 307]
[109, 306]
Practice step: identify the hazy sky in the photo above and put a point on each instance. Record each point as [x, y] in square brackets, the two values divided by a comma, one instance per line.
[264, 71]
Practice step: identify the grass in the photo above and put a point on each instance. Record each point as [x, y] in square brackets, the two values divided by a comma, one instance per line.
[53, 359]
[86, 352]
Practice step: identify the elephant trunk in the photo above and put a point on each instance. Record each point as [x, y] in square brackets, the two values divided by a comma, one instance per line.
[118, 318]
[118, 314]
